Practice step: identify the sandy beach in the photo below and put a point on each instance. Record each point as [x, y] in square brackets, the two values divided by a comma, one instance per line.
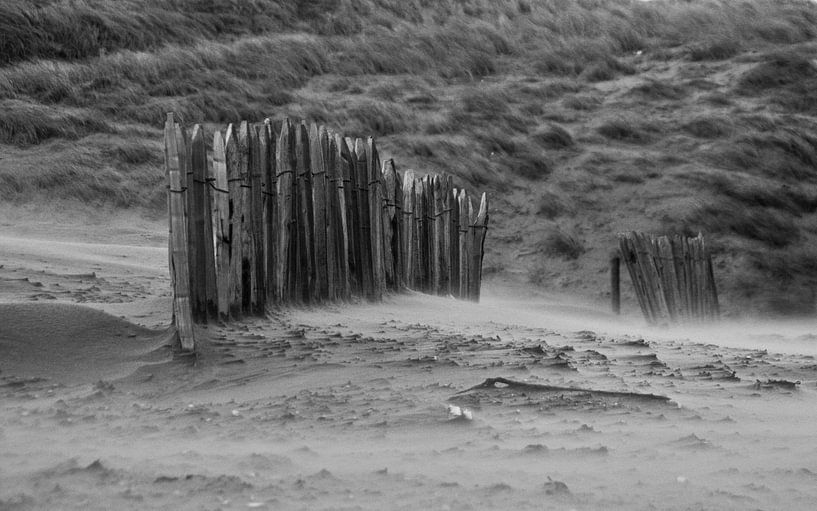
[524, 401]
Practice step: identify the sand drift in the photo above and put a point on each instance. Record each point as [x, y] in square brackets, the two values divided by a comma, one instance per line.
[519, 402]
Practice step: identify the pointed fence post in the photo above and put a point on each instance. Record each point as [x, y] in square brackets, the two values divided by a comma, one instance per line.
[397, 228]
[235, 208]
[220, 217]
[332, 217]
[319, 288]
[453, 241]
[407, 221]
[257, 169]
[285, 195]
[196, 193]
[376, 197]
[270, 214]
[179, 271]
[479, 231]
[347, 161]
[389, 181]
[463, 203]
[444, 229]
[246, 221]
[431, 259]
[365, 207]
[305, 262]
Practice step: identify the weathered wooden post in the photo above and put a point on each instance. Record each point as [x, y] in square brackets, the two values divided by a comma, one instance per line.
[408, 228]
[332, 218]
[305, 261]
[453, 235]
[479, 231]
[689, 260]
[712, 288]
[258, 162]
[180, 276]
[421, 242]
[615, 283]
[376, 197]
[340, 164]
[236, 198]
[365, 207]
[684, 309]
[201, 228]
[220, 217]
[319, 287]
[195, 227]
[391, 250]
[245, 220]
[397, 227]
[672, 277]
[630, 257]
[270, 215]
[463, 203]
[436, 235]
[432, 261]
[666, 270]
[285, 195]
[347, 161]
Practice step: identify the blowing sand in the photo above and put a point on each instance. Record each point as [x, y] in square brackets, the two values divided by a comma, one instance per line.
[386, 406]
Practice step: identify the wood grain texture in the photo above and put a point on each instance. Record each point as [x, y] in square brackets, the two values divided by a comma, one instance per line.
[312, 216]
[182, 308]
[285, 195]
[220, 218]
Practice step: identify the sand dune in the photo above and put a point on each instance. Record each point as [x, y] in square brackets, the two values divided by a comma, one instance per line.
[524, 401]
[74, 344]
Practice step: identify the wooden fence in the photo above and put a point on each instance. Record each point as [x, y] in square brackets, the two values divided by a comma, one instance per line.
[672, 276]
[305, 215]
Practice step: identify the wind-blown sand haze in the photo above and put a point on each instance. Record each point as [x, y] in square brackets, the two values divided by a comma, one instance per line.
[579, 119]
[373, 406]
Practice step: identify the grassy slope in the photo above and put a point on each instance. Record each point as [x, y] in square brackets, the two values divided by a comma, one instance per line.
[580, 118]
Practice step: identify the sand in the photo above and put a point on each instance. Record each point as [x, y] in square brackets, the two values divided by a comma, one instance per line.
[382, 406]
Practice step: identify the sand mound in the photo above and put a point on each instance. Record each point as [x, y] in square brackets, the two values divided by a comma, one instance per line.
[73, 344]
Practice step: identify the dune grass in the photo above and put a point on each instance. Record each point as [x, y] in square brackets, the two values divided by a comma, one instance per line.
[561, 105]
[628, 130]
[24, 123]
[788, 79]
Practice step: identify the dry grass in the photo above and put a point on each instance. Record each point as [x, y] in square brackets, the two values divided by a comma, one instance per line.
[656, 90]
[558, 243]
[629, 130]
[513, 97]
[717, 48]
[708, 127]
[787, 78]
[23, 123]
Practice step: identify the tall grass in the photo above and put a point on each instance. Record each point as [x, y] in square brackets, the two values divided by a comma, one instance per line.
[788, 78]
[786, 154]
[55, 29]
[508, 95]
[26, 124]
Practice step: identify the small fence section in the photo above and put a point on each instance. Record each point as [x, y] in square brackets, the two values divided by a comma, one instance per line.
[672, 276]
[306, 215]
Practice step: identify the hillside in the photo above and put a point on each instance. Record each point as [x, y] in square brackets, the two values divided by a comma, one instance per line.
[579, 118]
